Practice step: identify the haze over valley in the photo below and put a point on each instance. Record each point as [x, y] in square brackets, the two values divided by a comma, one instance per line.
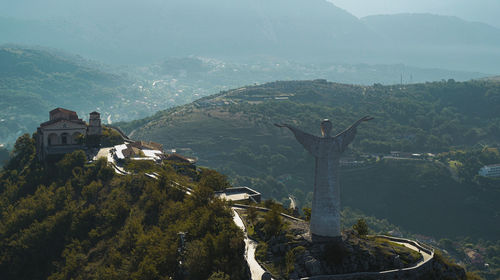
[127, 32]
[164, 105]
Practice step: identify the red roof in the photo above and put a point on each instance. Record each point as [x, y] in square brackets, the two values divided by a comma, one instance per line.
[70, 115]
[59, 114]
[62, 110]
[78, 121]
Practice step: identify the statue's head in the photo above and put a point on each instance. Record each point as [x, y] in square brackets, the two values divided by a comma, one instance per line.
[326, 128]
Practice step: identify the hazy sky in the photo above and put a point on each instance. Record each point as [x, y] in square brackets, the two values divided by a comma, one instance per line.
[487, 11]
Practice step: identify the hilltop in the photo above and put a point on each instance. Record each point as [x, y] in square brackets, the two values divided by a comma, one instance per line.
[71, 218]
[77, 219]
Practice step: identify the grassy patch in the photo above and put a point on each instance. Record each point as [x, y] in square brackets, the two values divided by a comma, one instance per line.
[455, 165]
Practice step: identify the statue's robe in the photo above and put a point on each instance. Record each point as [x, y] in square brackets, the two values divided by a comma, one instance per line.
[325, 214]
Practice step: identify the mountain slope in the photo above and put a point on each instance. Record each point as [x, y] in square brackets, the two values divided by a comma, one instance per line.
[428, 29]
[234, 132]
[424, 39]
[180, 28]
[71, 219]
[248, 29]
[33, 82]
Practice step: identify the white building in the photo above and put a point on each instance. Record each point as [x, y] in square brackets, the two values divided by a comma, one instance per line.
[490, 170]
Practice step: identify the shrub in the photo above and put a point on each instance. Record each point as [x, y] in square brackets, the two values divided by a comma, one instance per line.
[361, 227]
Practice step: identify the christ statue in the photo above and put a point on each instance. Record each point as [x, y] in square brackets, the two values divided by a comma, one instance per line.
[325, 214]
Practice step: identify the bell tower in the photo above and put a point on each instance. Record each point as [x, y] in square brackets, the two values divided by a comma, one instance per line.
[95, 127]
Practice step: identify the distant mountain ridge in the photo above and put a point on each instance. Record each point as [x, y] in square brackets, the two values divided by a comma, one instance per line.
[302, 30]
[34, 80]
[433, 29]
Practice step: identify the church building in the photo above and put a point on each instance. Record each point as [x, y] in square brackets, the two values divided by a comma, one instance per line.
[64, 132]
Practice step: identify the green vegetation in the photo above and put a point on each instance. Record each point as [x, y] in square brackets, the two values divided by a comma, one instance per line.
[141, 166]
[110, 137]
[73, 220]
[285, 252]
[213, 179]
[361, 227]
[233, 132]
[33, 82]
[481, 257]
[307, 213]
[466, 164]
[4, 155]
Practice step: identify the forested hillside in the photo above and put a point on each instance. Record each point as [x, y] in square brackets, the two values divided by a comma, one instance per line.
[234, 132]
[74, 220]
[34, 81]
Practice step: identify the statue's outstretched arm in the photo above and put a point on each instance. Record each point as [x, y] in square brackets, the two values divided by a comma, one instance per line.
[310, 142]
[345, 137]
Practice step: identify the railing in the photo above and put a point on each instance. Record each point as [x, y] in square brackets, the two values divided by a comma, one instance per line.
[403, 273]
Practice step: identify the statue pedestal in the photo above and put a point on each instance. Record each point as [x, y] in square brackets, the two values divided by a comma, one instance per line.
[325, 239]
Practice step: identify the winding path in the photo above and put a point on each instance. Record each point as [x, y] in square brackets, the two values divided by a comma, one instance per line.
[257, 270]
[427, 256]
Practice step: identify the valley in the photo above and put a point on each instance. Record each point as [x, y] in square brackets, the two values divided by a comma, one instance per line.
[189, 93]
[35, 80]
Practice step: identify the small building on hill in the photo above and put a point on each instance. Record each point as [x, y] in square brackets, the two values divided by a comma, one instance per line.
[64, 132]
[239, 194]
[133, 151]
[490, 170]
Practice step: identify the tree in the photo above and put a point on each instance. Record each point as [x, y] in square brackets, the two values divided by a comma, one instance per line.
[307, 213]
[252, 215]
[272, 223]
[24, 152]
[219, 275]
[202, 195]
[4, 156]
[361, 227]
[198, 259]
[214, 180]
[70, 161]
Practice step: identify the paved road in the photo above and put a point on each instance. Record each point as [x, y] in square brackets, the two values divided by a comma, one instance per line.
[256, 270]
[424, 254]
[103, 153]
[106, 153]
